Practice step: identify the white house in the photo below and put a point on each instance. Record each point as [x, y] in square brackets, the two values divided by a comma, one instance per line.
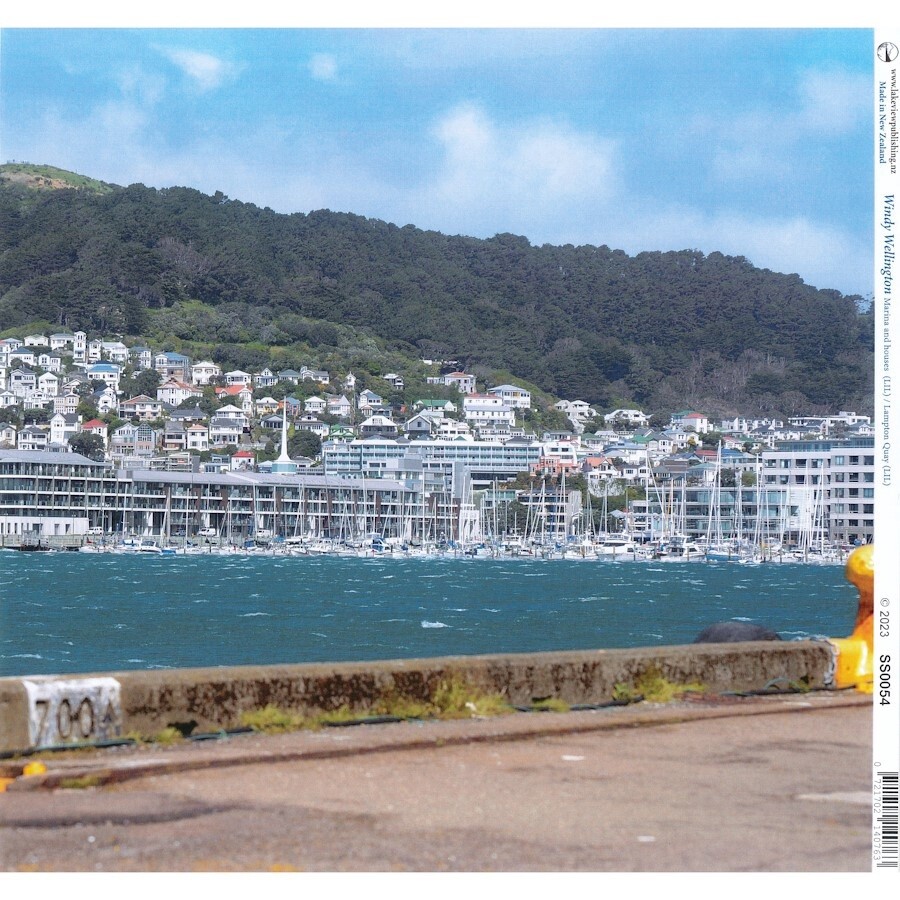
[66, 403]
[141, 407]
[487, 409]
[114, 351]
[234, 414]
[237, 377]
[205, 372]
[50, 362]
[105, 400]
[23, 355]
[48, 383]
[513, 396]
[32, 438]
[108, 373]
[309, 422]
[224, 430]
[340, 407]
[8, 398]
[197, 437]
[175, 392]
[141, 358]
[690, 420]
[378, 425]
[629, 417]
[37, 340]
[63, 427]
[79, 347]
[320, 375]
[463, 382]
[61, 341]
[314, 405]
[21, 381]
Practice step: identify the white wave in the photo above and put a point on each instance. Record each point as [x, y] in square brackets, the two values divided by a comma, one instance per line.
[426, 624]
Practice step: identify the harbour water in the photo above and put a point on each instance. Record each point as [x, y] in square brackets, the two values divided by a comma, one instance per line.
[64, 613]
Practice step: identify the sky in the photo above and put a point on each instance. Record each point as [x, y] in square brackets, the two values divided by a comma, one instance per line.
[755, 142]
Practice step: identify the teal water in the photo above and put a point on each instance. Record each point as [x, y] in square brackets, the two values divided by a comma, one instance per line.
[79, 613]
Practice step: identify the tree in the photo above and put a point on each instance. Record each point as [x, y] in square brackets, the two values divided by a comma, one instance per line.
[304, 443]
[11, 414]
[145, 382]
[88, 444]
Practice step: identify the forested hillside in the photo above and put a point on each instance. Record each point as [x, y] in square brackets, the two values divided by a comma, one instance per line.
[248, 285]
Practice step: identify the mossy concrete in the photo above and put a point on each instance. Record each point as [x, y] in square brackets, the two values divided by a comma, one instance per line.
[213, 699]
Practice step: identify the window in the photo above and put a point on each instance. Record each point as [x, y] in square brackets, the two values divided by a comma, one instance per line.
[837, 461]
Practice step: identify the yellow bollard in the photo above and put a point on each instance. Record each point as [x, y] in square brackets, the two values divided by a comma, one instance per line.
[34, 768]
[855, 653]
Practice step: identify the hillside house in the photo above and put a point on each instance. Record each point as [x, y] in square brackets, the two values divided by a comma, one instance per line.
[141, 407]
[205, 372]
[513, 396]
[175, 392]
[172, 365]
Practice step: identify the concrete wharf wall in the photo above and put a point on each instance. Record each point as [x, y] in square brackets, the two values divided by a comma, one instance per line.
[65, 709]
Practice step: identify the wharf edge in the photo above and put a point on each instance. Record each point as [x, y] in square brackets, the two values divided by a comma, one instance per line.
[214, 699]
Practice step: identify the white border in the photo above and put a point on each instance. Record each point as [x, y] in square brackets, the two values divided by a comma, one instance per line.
[886, 662]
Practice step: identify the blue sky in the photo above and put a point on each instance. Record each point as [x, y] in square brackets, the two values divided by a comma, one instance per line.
[754, 142]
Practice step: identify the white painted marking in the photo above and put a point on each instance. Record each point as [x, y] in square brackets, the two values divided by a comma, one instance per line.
[573, 758]
[862, 797]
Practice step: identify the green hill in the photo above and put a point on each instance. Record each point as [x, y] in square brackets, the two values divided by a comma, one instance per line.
[252, 287]
[50, 178]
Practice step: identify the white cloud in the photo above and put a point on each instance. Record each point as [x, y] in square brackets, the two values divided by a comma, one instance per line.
[514, 175]
[323, 67]
[834, 101]
[775, 145]
[207, 71]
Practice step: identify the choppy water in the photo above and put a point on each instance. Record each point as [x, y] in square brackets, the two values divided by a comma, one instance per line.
[78, 613]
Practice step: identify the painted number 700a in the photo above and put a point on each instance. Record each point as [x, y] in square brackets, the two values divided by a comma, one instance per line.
[73, 710]
[68, 723]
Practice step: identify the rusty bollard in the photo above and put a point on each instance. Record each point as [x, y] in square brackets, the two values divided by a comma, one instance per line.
[855, 653]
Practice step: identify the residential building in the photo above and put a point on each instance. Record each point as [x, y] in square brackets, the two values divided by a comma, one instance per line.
[175, 392]
[264, 379]
[62, 427]
[33, 438]
[172, 365]
[512, 395]
[141, 407]
[690, 420]
[206, 372]
[108, 373]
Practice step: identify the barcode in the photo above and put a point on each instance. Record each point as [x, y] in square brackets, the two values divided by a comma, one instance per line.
[886, 819]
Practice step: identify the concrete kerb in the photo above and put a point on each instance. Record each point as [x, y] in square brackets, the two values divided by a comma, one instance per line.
[102, 768]
[213, 699]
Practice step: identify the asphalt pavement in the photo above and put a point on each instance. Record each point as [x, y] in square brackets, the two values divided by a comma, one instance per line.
[728, 784]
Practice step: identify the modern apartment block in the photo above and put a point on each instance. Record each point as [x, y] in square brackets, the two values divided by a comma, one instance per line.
[829, 480]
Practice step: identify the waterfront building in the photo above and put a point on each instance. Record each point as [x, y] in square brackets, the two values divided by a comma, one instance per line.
[829, 481]
[46, 494]
[483, 461]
